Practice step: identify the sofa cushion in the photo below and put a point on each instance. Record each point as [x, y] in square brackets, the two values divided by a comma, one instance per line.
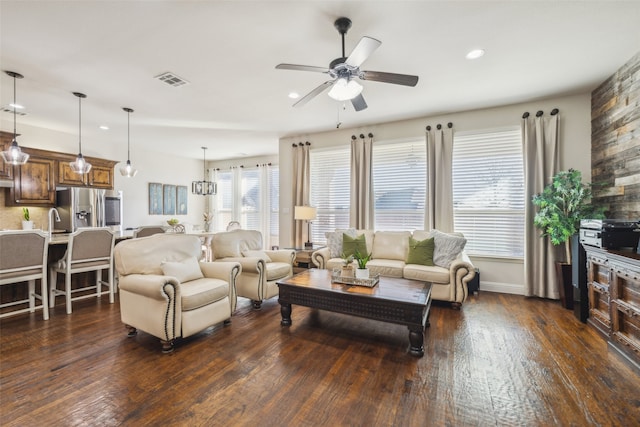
[447, 248]
[386, 267]
[422, 234]
[200, 292]
[425, 273]
[420, 251]
[257, 254]
[334, 241]
[369, 237]
[277, 270]
[231, 244]
[353, 245]
[391, 245]
[185, 270]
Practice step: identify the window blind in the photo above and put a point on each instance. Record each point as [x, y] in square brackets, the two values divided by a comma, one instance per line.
[330, 190]
[399, 183]
[488, 191]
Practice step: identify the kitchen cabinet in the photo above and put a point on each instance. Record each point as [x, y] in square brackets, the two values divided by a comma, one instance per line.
[6, 170]
[33, 183]
[614, 299]
[100, 175]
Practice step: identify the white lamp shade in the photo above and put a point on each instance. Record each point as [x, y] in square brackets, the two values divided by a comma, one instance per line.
[304, 213]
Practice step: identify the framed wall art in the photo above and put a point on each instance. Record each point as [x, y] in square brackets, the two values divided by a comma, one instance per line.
[155, 198]
[169, 193]
[182, 197]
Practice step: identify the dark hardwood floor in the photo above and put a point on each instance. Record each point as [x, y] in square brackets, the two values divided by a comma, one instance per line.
[501, 360]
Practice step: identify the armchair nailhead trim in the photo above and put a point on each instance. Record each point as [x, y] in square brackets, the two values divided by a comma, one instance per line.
[170, 310]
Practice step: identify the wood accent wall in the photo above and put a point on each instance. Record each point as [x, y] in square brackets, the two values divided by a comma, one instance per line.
[615, 142]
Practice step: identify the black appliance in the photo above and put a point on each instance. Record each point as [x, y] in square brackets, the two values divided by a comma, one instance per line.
[579, 280]
[609, 233]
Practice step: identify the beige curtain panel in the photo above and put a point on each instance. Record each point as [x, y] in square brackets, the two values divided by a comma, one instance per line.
[301, 188]
[541, 159]
[361, 207]
[439, 206]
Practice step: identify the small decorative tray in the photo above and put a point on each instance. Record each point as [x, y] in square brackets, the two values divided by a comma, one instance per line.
[369, 283]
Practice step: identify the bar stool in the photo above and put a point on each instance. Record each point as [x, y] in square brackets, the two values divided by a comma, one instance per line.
[23, 258]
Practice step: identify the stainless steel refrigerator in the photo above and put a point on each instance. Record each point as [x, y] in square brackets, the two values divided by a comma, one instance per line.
[88, 207]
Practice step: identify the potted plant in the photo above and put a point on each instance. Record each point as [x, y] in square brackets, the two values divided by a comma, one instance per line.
[347, 268]
[362, 272]
[27, 224]
[562, 204]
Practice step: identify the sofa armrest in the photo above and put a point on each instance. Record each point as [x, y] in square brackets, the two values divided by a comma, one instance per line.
[282, 255]
[253, 265]
[461, 272]
[227, 271]
[320, 257]
[150, 286]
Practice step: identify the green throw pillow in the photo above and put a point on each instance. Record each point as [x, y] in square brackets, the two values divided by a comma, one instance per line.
[421, 251]
[351, 245]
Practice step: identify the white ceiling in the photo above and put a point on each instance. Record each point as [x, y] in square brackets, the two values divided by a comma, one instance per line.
[236, 103]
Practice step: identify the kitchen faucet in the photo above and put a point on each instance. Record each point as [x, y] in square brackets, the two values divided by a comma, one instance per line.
[55, 211]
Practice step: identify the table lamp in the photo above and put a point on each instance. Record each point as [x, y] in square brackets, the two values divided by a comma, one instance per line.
[305, 213]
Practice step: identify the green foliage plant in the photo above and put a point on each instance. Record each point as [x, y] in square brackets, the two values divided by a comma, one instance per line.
[25, 214]
[346, 259]
[562, 204]
[362, 259]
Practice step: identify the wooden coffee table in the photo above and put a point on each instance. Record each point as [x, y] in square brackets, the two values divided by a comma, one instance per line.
[393, 300]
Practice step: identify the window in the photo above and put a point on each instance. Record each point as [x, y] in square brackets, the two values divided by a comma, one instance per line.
[399, 185]
[250, 196]
[330, 190]
[488, 191]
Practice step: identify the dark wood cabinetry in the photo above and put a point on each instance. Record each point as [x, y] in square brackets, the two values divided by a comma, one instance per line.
[614, 299]
[34, 183]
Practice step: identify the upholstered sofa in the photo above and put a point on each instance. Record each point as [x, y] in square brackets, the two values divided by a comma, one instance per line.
[261, 269]
[166, 292]
[392, 255]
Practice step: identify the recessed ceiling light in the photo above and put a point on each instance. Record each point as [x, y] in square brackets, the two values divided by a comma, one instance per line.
[16, 106]
[104, 127]
[294, 95]
[475, 54]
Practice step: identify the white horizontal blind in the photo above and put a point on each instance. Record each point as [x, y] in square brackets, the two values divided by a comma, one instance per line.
[488, 191]
[274, 208]
[250, 189]
[330, 190]
[399, 185]
[223, 206]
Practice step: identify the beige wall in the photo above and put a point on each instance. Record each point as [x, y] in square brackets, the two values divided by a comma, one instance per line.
[575, 139]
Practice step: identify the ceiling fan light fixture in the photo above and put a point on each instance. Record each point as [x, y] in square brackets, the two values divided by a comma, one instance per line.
[344, 90]
[14, 155]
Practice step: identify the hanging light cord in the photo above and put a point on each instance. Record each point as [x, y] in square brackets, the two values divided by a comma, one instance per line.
[14, 108]
[204, 164]
[80, 124]
[128, 140]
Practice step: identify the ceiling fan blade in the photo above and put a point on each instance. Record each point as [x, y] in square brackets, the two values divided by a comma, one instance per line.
[308, 97]
[302, 68]
[398, 79]
[361, 52]
[359, 103]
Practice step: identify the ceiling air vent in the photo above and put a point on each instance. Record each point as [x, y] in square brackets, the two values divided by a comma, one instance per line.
[171, 79]
[9, 109]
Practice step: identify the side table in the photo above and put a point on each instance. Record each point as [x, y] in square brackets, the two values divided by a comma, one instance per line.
[303, 258]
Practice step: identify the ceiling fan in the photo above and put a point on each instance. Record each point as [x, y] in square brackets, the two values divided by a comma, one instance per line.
[344, 71]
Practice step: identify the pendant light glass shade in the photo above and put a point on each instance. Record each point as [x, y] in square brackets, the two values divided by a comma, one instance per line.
[14, 154]
[80, 165]
[204, 187]
[128, 170]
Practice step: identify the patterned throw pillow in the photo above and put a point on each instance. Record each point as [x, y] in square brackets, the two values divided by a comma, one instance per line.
[353, 245]
[334, 241]
[447, 248]
[421, 251]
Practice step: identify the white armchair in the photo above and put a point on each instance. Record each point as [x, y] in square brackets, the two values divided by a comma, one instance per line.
[261, 269]
[166, 292]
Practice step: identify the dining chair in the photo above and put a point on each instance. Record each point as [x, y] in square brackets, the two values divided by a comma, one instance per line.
[89, 249]
[23, 258]
[148, 230]
[233, 225]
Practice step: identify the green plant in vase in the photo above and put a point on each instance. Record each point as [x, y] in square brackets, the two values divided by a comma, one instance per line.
[347, 268]
[562, 204]
[25, 214]
[362, 271]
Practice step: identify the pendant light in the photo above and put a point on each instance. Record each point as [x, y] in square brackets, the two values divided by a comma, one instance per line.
[128, 170]
[80, 165]
[204, 187]
[14, 154]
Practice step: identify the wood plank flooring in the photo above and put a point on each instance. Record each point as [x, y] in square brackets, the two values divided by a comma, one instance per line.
[501, 360]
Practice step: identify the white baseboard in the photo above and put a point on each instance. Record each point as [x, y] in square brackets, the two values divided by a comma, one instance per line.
[503, 288]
